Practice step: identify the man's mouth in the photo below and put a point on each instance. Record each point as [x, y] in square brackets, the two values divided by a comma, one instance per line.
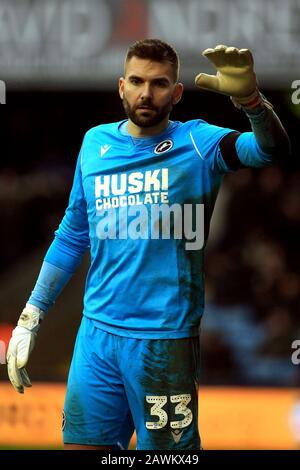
[149, 108]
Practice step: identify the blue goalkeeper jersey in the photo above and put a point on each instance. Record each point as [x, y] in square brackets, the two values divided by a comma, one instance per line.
[143, 207]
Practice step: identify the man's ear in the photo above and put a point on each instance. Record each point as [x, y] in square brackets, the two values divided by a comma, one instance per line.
[177, 93]
[121, 87]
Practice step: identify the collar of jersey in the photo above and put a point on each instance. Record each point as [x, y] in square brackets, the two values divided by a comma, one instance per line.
[147, 141]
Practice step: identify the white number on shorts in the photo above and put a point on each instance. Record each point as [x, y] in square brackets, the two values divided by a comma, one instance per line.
[180, 409]
[156, 410]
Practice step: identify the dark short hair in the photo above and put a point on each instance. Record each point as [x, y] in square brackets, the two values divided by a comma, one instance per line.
[156, 50]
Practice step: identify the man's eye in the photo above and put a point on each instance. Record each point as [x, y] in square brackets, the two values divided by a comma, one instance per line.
[161, 84]
[135, 81]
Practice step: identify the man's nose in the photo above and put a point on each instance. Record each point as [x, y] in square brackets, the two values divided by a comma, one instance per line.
[146, 91]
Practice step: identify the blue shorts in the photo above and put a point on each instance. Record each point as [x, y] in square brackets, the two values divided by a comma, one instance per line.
[117, 385]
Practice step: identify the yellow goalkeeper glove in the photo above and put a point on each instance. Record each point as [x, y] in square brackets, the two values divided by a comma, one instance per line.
[235, 75]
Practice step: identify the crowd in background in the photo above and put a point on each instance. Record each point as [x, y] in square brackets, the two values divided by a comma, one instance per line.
[253, 280]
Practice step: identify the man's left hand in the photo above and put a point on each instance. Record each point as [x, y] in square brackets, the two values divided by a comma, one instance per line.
[235, 74]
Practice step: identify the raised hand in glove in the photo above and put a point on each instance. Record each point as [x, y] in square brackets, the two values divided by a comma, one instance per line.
[235, 75]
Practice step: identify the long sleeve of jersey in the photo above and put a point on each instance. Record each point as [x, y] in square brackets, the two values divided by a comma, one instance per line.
[267, 144]
[65, 253]
[269, 131]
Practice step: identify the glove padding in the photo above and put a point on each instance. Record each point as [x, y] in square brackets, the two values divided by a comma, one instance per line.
[20, 346]
[235, 75]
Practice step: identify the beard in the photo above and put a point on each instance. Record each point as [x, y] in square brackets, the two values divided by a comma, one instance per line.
[147, 117]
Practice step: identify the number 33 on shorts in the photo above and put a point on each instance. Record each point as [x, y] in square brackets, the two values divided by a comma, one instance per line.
[181, 410]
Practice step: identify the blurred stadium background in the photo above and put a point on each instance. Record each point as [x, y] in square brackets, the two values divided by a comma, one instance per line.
[60, 61]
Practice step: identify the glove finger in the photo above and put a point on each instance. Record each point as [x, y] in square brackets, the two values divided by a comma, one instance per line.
[208, 82]
[231, 50]
[25, 378]
[221, 47]
[14, 374]
[216, 56]
[233, 57]
[246, 57]
[23, 350]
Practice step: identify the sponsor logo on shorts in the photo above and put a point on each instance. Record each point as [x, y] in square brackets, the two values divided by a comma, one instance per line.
[176, 434]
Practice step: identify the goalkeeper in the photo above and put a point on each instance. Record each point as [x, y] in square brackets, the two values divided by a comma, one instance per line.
[136, 357]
